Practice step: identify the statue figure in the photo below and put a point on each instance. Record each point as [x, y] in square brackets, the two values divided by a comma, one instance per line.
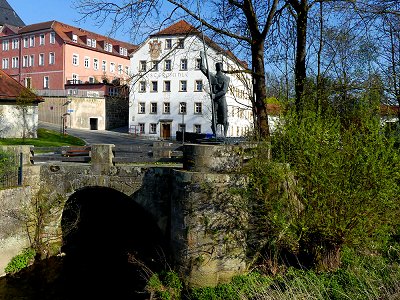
[219, 83]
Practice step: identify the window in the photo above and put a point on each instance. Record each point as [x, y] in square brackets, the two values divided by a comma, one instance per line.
[197, 64]
[142, 108]
[141, 127]
[75, 59]
[28, 82]
[167, 86]
[112, 67]
[197, 128]
[104, 66]
[75, 78]
[26, 41]
[153, 127]
[123, 51]
[166, 108]
[153, 108]
[182, 108]
[32, 60]
[25, 61]
[142, 86]
[154, 65]
[52, 37]
[74, 38]
[182, 127]
[5, 63]
[5, 45]
[112, 91]
[181, 43]
[87, 62]
[168, 44]
[184, 65]
[15, 62]
[91, 43]
[127, 70]
[198, 85]
[41, 59]
[91, 79]
[41, 39]
[198, 108]
[15, 43]
[183, 86]
[32, 41]
[154, 86]
[52, 58]
[167, 65]
[108, 47]
[142, 66]
[95, 64]
[46, 82]
[120, 69]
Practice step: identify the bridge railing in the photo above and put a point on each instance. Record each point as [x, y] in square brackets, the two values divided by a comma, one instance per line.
[135, 153]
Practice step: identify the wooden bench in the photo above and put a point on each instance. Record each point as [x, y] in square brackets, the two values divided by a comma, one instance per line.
[74, 151]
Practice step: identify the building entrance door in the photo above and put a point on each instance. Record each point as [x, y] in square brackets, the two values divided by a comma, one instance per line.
[93, 123]
[165, 131]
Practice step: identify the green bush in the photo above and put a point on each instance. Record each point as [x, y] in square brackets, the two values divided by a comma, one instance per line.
[346, 187]
[20, 261]
[165, 286]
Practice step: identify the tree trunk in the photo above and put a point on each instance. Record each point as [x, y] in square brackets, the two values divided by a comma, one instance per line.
[300, 65]
[259, 90]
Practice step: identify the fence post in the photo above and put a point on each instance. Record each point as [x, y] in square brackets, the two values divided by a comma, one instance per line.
[20, 169]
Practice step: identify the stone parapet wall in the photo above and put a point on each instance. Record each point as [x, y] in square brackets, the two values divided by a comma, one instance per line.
[13, 237]
[208, 226]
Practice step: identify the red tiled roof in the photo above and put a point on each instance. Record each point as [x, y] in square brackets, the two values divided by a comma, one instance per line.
[180, 27]
[184, 28]
[63, 29]
[10, 89]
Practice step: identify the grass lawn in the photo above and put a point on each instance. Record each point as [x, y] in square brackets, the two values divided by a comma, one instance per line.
[46, 138]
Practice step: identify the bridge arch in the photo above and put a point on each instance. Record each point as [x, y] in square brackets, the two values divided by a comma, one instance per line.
[102, 224]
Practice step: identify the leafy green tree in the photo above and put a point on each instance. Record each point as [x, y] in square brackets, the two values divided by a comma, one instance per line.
[344, 187]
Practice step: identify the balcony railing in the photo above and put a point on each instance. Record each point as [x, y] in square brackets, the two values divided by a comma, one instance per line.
[70, 92]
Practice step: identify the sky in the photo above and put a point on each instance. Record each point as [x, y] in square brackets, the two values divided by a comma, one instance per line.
[36, 11]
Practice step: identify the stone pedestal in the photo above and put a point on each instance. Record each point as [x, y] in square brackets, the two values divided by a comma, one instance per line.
[102, 158]
[209, 219]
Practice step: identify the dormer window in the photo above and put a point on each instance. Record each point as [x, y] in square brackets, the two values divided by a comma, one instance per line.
[123, 51]
[74, 38]
[108, 47]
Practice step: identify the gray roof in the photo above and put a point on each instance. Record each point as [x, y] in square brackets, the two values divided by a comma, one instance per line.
[8, 15]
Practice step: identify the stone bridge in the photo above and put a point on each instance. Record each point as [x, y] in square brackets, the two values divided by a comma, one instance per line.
[189, 207]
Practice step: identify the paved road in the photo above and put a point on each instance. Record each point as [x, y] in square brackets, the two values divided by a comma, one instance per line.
[119, 136]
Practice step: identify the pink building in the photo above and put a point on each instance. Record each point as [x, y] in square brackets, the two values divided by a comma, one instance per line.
[51, 54]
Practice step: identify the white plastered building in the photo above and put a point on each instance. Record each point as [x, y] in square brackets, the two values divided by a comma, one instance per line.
[169, 93]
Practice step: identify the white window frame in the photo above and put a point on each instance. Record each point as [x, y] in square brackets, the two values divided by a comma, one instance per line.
[168, 44]
[166, 107]
[95, 64]
[42, 39]
[167, 83]
[25, 61]
[46, 82]
[52, 58]
[198, 84]
[52, 37]
[5, 45]
[41, 59]
[183, 85]
[184, 64]
[15, 44]
[153, 108]
[182, 108]
[75, 59]
[198, 108]
[141, 107]
[104, 65]
[32, 60]
[26, 42]
[112, 67]
[32, 41]
[154, 86]
[168, 65]
[142, 86]
[15, 62]
[153, 128]
[5, 63]
[86, 62]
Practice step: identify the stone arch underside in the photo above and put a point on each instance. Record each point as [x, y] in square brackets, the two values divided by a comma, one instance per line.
[109, 241]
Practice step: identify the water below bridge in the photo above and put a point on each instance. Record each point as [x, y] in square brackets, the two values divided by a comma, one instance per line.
[104, 234]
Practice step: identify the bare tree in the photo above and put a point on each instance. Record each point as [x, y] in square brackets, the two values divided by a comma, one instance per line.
[244, 23]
